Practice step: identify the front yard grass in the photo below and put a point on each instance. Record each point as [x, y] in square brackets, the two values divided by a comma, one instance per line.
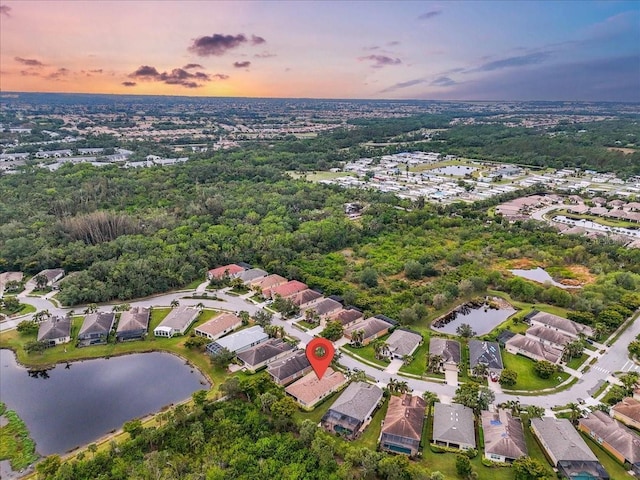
[527, 377]
[366, 353]
[575, 363]
[419, 364]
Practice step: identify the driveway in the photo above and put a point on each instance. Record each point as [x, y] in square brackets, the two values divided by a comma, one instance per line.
[394, 366]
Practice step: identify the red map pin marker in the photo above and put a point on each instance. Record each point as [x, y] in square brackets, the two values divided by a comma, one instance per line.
[320, 353]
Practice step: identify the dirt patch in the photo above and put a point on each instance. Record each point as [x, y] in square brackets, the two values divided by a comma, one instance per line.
[626, 151]
[521, 264]
[582, 274]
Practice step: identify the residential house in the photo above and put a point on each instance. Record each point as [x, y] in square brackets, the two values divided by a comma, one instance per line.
[287, 289]
[325, 307]
[177, 322]
[96, 328]
[218, 326]
[366, 331]
[549, 337]
[55, 331]
[289, 368]
[251, 274]
[562, 325]
[628, 412]
[487, 353]
[265, 284]
[352, 411]
[133, 324]
[403, 424]
[306, 298]
[449, 350]
[52, 275]
[260, 355]
[566, 449]
[613, 436]
[230, 271]
[402, 343]
[346, 316]
[453, 426]
[309, 390]
[531, 348]
[503, 436]
[239, 341]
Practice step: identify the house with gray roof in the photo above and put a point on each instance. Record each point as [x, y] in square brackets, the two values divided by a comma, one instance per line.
[449, 350]
[613, 436]
[239, 341]
[487, 353]
[133, 324]
[366, 331]
[260, 355]
[536, 350]
[55, 331]
[177, 322]
[290, 367]
[325, 307]
[453, 426]
[51, 274]
[402, 343]
[306, 298]
[96, 328]
[403, 424]
[559, 324]
[346, 316]
[248, 276]
[567, 450]
[503, 436]
[548, 336]
[352, 411]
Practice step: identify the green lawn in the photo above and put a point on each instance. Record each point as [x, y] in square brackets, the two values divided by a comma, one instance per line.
[367, 354]
[15, 444]
[576, 362]
[533, 447]
[371, 434]
[527, 378]
[419, 363]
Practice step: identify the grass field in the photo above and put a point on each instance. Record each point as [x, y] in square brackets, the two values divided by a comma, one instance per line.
[367, 353]
[419, 363]
[575, 363]
[15, 444]
[527, 378]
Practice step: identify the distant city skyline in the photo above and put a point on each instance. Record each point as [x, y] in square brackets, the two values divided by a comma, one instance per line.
[447, 50]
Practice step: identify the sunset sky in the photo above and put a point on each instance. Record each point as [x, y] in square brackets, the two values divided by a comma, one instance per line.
[478, 50]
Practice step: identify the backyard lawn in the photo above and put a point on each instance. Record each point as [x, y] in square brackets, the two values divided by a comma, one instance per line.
[527, 378]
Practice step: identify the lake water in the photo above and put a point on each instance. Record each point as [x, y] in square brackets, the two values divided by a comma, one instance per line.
[76, 406]
[482, 321]
[538, 275]
[453, 170]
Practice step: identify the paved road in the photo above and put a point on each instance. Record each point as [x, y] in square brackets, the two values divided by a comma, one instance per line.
[614, 359]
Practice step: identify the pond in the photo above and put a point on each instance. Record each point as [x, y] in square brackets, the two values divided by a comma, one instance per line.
[76, 404]
[539, 275]
[481, 318]
[453, 170]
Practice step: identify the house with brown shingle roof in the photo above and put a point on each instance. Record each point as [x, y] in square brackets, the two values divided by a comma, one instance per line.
[266, 284]
[628, 412]
[503, 436]
[306, 298]
[260, 355]
[308, 391]
[613, 436]
[225, 271]
[96, 328]
[366, 331]
[559, 324]
[133, 324]
[287, 289]
[346, 316]
[218, 326]
[449, 350]
[534, 349]
[549, 337]
[325, 307]
[290, 367]
[403, 424]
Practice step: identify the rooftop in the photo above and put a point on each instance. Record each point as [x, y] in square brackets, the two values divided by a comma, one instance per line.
[242, 339]
[230, 270]
[485, 352]
[629, 407]
[563, 324]
[549, 335]
[288, 366]
[449, 350]
[308, 389]
[99, 322]
[615, 434]
[135, 319]
[264, 351]
[371, 326]
[221, 323]
[357, 400]
[563, 441]
[403, 342]
[549, 353]
[503, 434]
[180, 317]
[289, 288]
[405, 416]
[54, 328]
[454, 423]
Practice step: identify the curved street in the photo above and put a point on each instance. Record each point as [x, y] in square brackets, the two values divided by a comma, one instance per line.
[614, 359]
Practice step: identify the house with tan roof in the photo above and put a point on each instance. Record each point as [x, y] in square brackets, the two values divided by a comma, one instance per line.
[346, 316]
[325, 307]
[559, 324]
[218, 326]
[547, 336]
[503, 436]
[229, 271]
[628, 412]
[306, 298]
[403, 424]
[308, 391]
[366, 331]
[290, 367]
[287, 289]
[177, 321]
[266, 284]
[133, 324]
[534, 349]
[613, 436]
[260, 355]
[352, 411]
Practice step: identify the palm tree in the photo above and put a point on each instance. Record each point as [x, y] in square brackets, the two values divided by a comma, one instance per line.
[402, 387]
[378, 348]
[430, 398]
[174, 303]
[245, 317]
[392, 385]
[42, 315]
[514, 406]
[91, 308]
[435, 363]
[357, 337]
[480, 370]
[574, 412]
[407, 359]
[200, 306]
[41, 281]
